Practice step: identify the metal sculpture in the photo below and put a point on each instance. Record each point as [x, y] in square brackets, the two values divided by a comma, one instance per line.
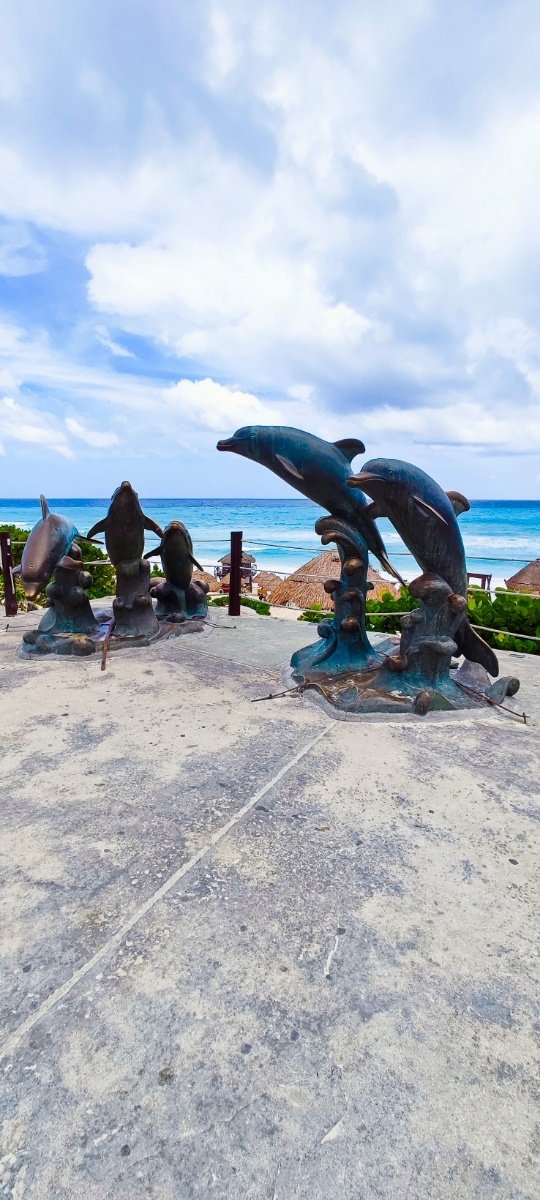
[69, 626]
[48, 542]
[178, 597]
[124, 527]
[353, 675]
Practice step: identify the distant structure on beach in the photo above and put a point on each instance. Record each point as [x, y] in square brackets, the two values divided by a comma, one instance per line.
[248, 571]
[526, 580]
[205, 577]
[305, 587]
[267, 582]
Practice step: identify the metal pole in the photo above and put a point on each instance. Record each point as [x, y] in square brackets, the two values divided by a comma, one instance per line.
[10, 599]
[235, 574]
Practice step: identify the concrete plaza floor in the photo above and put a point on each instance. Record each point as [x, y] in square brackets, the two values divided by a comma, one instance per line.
[249, 951]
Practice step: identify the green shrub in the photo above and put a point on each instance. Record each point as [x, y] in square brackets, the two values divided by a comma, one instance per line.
[516, 614]
[259, 606]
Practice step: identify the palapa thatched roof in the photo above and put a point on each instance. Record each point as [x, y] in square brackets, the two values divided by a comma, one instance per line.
[268, 581]
[247, 559]
[305, 587]
[205, 577]
[526, 580]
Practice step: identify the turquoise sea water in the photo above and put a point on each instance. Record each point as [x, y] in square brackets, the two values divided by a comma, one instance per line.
[500, 536]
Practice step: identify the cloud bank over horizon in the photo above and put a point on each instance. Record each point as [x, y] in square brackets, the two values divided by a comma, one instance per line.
[305, 214]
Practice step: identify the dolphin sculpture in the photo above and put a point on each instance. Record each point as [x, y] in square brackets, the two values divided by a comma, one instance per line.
[176, 552]
[426, 519]
[46, 545]
[318, 469]
[124, 526]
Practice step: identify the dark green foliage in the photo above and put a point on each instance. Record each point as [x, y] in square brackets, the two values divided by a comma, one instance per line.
[103, 577]
[259, 606]
[518, 614]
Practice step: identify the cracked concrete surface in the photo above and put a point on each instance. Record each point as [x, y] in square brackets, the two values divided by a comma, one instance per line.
[248, 951]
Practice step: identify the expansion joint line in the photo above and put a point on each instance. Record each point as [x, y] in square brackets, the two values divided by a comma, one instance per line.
[116, 940]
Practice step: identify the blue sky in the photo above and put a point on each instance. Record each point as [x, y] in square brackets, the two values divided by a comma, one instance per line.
[215, 214]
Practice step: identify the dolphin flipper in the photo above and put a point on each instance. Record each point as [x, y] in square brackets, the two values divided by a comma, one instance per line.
[152, 526]
[154, 552]
[428, 508]
[475, 648]
[289, 466]
[99, 527]
[195, 563]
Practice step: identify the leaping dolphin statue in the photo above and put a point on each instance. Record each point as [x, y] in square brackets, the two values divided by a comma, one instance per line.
[48, 542]
[124, 526]
[426, 518]
[176, 553]
[318, 469]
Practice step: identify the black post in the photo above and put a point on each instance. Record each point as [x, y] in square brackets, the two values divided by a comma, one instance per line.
[235, 574]
[10, 599]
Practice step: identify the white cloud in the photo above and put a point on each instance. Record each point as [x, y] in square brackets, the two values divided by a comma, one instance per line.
[23, 423]
[90, 436]
[115, 348]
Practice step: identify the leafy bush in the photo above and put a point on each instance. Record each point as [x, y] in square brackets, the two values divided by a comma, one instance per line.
[259, 606]
[517, 614]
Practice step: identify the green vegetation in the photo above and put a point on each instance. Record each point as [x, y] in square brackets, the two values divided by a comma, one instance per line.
[517, 614]
[104, 577]
[259, 606]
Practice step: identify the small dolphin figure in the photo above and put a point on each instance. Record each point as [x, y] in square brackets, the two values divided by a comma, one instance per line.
[318, 469]
[426, 519]
[176, 552]
[48, 542]
[124, 526]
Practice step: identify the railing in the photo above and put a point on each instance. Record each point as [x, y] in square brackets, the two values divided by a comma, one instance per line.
[235, 577]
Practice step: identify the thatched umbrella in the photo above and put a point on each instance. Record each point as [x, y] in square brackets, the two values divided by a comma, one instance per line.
[204, 577]
[267, 582]
[526, 580]
[305, 587]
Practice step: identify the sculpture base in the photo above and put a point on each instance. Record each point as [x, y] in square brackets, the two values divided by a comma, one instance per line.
[380, 689]
[46, 641]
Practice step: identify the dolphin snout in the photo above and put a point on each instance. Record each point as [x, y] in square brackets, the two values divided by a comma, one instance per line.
[358, 481]
[227, 443]
[32, 590]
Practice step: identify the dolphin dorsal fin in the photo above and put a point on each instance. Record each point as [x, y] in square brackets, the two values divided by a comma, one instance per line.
[44, 507]
[289, 466]
[459, 503]
[350, 447]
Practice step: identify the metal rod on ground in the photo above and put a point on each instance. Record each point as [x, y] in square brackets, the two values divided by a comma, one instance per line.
[6, 558]
[235, 574]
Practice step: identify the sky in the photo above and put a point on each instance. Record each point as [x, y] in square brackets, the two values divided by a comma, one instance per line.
[293, 212]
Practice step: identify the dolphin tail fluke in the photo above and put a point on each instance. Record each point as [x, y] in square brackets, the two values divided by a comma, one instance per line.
[475, 648]
[388, 566]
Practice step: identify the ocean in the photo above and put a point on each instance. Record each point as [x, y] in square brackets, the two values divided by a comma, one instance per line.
[500, 536]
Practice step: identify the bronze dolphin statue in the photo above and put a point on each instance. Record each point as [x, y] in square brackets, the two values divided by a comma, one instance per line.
[48, 542]
[124, 526]
[426, 518]
[318, 469]
[176, 553]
